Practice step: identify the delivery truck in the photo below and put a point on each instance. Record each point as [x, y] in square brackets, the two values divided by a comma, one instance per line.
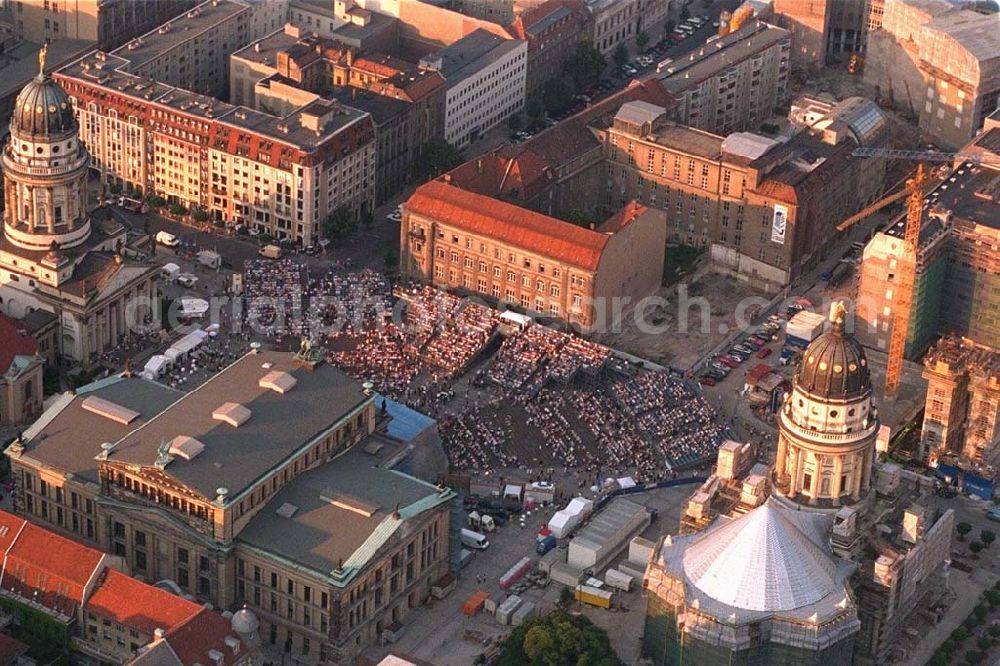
[210, 259]
[270, 252]
[593, 596]
[474, 540]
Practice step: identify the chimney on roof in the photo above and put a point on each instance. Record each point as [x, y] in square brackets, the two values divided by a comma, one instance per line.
[479, 165]
[256, 47]
[447, 177]
[395, 511]
[158, 634]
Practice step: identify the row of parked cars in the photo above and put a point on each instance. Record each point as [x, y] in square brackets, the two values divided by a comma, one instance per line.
[753, 344]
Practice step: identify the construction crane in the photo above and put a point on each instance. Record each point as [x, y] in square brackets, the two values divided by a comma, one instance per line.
[906, 263]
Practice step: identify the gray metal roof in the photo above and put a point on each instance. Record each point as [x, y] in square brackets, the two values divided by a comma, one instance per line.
[67, 437]
[320, 535]
[639, 112]
[279, 425]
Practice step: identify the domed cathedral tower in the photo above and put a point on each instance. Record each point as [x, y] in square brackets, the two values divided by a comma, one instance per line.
[53, 258]
[828, 424]
[45, 172]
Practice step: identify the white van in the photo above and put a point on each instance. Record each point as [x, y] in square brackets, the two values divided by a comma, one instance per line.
[475, 540]
[166, 239]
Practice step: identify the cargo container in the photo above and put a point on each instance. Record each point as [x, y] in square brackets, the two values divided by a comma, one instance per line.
[607, 534]
[545, 545]
[549, 559]
[640, 551]
[591, 595]
[443, 586]
[515, 573]
[562, 572]
[522, 614]
[506, 609]
[618, 579]
[210, 259]
[805, 326]
[631, 570]
[464, 558]
[474, 602]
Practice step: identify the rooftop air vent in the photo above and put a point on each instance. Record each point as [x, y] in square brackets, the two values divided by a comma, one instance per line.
[185, 447]
[109, 410]
[286, 510]
[278, 381]
[349, 503]
[232, 413]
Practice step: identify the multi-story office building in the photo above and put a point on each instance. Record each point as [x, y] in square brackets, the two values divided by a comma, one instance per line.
[109, 23]
[486, 78]
[962, 410]
[469, 242]
[553, 31]
[766, 209]
[827, 31]
[282, 175]
[221, 492]
[940, 62]
[957, 287]
[73, 595]
[733, 83]
[291, 68]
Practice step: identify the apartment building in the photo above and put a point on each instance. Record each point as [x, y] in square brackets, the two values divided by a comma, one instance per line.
[281, 175]
[957, 286]
[292, 67]
[962, 410]
[21, 369]
[109, 23]
[553, 31]
[733, 83]
[192, 51]
[766, 209]
[220, 492]
[70, 594]
[468, 242]
[940, 62]
[827, 31]
[486, 77]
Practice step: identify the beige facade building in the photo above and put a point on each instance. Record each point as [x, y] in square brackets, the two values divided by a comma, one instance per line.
[962, 412]
[221, 492]
[468, 242]
[553, 30]
[732, 84]
[109, 23]
[618, 22]
[53, 256]
[940, 62]
[766, 209]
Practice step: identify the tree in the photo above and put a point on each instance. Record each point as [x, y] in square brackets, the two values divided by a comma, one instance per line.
[556, 95]
[963, 529]
[976, 547]
[199, 215]
[671, 24]
[534, 107]
[514, 122]
[558, 638]
[994, 630]
[960, 634]
[642, 40]
[115, 188]
[973, 657]
[620, 55]
[390, 263]
[177, 209]
[984, 643]
[981, 611]
[585, 66]
[987, 537]
[566, 597]
[340, 224]
[579, 217]
[992, 598]
[436, 156]
[939, 659]
[685, 14]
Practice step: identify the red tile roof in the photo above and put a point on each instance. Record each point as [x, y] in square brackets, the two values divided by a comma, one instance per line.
[206, 631]
[622, 218]
[46, 568]
[14, 341]
[10, 650]
[137, 605]
[523, 228]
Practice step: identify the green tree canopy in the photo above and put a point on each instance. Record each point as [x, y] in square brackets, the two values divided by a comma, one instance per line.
[987, 537]
[976, 546]
[340, 224]
[534, 107]
[620, 55]
[642, 40]
[963, 529]
[556, 95]
[557, 639]
[436, 157]
[585, 66]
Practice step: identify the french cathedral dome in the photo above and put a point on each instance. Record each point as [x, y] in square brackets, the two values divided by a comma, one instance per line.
[834, 367]
[42, 109]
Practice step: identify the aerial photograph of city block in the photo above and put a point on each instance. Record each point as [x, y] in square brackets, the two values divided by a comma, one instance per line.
[513, 332]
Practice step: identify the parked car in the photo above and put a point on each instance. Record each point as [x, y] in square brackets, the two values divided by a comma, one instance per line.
[707, 380]
[730, 361]
[764, 352]
[994, 514]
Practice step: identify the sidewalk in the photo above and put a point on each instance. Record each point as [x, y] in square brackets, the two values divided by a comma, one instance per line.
[967, 590]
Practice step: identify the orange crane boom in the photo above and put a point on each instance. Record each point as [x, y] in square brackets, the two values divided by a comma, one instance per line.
[907, 271]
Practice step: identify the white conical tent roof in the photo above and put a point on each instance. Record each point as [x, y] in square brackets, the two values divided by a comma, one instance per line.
[761, 561]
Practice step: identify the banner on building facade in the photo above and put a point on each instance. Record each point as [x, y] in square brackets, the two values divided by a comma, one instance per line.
[778, 223]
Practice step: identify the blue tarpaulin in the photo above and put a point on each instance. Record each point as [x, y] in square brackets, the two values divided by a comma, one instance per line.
[406, 423]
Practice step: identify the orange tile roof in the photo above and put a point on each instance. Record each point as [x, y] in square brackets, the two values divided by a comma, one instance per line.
[623, 218]
[46, 568]
[205, 631]
[520, 227]
[137, 605]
